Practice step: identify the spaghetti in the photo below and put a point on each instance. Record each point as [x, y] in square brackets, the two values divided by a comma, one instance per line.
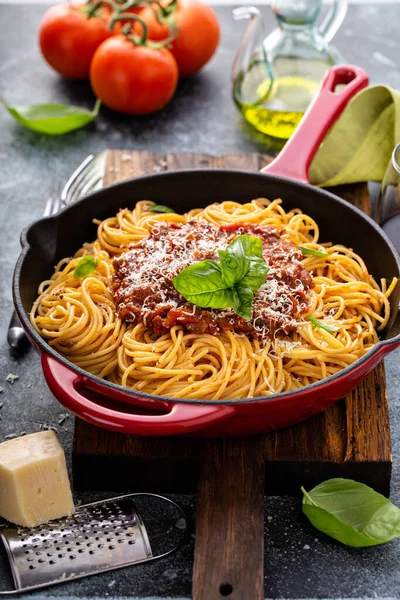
[79, 317]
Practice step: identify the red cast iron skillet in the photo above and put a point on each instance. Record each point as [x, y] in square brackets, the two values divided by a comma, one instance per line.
[113, 407]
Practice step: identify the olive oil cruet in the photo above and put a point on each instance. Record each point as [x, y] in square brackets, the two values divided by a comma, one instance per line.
[275, 78]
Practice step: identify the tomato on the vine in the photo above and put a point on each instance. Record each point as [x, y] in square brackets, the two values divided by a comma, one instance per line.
[197, 37]
[130, 78]
[68, 38]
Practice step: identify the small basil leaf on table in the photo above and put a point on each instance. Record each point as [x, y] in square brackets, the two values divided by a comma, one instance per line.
[161, 208]
[352, 513]
[202, 284]
[85, 267]
[306, 251]
[52, 119]
[322, 325]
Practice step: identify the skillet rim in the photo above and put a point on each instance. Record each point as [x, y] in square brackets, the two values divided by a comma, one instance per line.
[47, 349]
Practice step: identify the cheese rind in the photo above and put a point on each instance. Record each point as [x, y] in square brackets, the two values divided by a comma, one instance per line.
[34, 484]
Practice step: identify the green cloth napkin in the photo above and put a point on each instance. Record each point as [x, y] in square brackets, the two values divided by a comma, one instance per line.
[359, 145]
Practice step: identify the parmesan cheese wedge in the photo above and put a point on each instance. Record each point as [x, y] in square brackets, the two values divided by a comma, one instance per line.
[34, 484]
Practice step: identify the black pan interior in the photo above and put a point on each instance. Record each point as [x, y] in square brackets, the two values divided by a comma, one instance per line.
[54, 238]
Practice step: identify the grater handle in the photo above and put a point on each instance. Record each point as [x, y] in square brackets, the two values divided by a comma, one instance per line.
[294, 160]
[179, 418]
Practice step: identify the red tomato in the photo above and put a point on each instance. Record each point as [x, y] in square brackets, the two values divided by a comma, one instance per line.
[133, 79]
[68, 38]
[198, 34]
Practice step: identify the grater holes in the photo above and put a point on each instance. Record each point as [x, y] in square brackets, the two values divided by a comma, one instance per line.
[31, 567]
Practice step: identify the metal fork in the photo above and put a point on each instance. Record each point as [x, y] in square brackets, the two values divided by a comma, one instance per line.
[87, 178]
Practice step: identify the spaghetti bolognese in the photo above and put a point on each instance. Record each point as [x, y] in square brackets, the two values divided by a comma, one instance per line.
[314, 310]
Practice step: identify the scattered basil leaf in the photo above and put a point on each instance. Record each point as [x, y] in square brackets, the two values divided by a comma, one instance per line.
[228, 284]
[85, 267]
[352, 513]
[306, 251]
[52, 119]
[322, 325]
[161, 209]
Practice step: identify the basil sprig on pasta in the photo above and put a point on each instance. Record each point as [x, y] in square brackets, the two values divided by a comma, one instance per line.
[231, 283]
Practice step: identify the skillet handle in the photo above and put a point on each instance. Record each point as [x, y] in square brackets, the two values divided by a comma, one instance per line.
[179, 419]
[294, 160]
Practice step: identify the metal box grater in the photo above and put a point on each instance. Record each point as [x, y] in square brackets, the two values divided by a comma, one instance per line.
[99, 537]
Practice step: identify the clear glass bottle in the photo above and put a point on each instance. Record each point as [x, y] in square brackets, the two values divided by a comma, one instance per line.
[275, 77]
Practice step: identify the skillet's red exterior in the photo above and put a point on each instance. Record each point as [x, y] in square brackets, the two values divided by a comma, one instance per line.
[120, 409]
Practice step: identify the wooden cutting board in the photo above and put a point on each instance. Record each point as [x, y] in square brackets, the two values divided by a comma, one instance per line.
[351, 439]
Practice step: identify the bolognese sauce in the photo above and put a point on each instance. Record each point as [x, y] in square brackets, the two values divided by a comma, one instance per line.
[144, 292]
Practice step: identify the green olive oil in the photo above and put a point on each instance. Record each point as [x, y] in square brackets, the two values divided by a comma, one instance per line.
[276, 107]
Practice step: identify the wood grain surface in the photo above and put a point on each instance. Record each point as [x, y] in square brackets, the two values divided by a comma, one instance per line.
[351, 439]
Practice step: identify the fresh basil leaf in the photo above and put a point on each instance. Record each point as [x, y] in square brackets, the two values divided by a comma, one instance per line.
[52, 119]
[231, 267]
[242, 255]
[306, 251]
[244, 303]
[322, 325]
[161, 208]
[85, 267]
[352, 513]
[255, 276]
[202, 284]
